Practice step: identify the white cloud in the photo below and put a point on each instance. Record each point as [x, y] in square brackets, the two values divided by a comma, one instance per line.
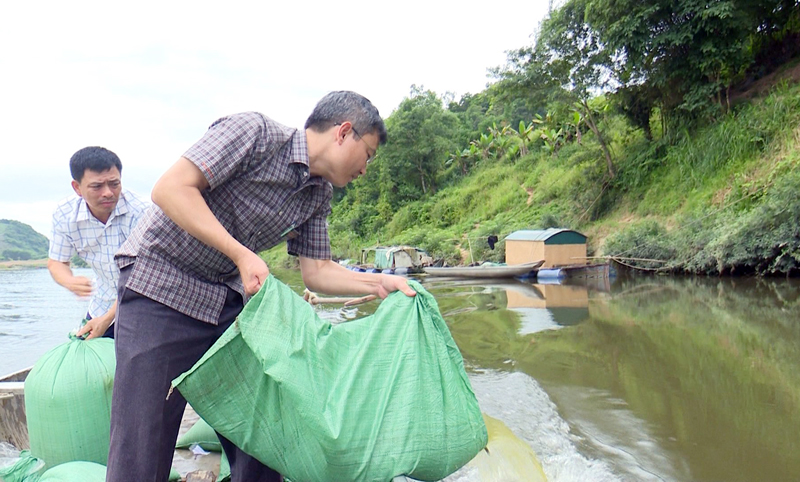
[145, 79]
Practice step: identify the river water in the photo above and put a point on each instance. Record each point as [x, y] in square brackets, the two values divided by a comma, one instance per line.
[634, 379]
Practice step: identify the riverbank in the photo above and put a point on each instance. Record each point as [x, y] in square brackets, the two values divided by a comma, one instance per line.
[23, 264]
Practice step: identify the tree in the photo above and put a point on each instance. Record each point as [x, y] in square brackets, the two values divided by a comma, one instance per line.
[568, 64]
[421, 133]
[691, 51]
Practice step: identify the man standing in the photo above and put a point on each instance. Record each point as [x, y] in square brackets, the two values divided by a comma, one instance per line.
[187, 269]
[93, 224]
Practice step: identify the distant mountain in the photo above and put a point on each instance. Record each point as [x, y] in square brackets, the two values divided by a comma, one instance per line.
[18, 241]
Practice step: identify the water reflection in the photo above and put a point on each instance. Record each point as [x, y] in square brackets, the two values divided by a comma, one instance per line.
[647, 378]
[553, 306]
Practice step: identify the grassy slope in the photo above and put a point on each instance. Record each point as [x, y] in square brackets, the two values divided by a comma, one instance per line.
[711, 177]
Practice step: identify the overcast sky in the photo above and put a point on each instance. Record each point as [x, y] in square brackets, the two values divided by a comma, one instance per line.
[145, 79]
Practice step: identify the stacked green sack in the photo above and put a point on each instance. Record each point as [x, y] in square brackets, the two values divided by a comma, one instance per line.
[26, 469]
[80, 471]
[370, 399]
[68, 402]
[67, 407]
[200, 434]
[224, 469]
[77, 471]
[204, 436]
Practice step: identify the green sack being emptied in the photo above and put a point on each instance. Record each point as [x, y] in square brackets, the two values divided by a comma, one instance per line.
[366, 400]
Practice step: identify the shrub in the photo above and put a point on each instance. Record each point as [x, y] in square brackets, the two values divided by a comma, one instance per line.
[644, 240]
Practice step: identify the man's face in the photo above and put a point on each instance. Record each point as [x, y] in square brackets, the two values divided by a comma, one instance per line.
[100, 190]
[358, 152]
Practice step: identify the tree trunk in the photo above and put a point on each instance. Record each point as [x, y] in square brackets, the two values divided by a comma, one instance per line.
[648, 133]
[590, 122]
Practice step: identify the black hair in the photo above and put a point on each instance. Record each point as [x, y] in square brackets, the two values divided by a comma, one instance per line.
[344, 105]
[93, 158]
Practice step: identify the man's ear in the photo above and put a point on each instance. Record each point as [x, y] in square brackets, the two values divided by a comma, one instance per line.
[342, 130]
[76, 187]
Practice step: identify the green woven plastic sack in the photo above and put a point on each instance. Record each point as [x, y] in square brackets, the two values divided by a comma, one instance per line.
[366, 400]
[224, 469]
[68, 402]
[201, 434]
[26, 468]
[78, 471]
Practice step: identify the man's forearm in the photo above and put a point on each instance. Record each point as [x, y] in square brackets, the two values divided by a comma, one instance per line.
[108, 316]
[62, 274]
[59, 271]
[328, 277]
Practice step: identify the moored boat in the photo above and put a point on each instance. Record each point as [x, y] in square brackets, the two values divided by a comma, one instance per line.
[400, 260]
[485, 270]
[13, 424]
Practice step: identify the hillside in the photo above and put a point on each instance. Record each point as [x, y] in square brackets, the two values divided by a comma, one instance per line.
[720, 199]
[19, 241]
[723, 198]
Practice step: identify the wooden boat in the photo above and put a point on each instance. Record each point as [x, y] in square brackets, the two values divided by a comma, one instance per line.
[13, 424]
[485, 270]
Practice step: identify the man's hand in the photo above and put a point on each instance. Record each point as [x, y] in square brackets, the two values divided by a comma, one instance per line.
[62, 274]
[390, 283]
[253, 271]
[80, 285]
[96, 327]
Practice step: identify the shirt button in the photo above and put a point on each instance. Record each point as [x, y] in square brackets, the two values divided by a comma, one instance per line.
[280, 213]
[305, 174]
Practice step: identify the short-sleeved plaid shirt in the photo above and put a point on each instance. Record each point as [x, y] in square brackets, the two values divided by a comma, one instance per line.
[76, 230]
[262, 193]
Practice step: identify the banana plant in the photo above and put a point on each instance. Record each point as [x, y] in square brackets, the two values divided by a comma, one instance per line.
[525, 134]
[575, 125]
[502, 143]
[484, 144]
[464, 159]
[553, 139]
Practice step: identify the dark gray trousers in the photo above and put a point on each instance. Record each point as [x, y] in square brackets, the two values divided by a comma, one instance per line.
[155, 344]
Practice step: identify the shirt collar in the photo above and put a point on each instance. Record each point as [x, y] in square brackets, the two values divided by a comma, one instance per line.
[299, 158]
[299, 153]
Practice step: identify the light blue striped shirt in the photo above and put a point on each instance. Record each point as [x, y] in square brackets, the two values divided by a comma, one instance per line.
[76, 230]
